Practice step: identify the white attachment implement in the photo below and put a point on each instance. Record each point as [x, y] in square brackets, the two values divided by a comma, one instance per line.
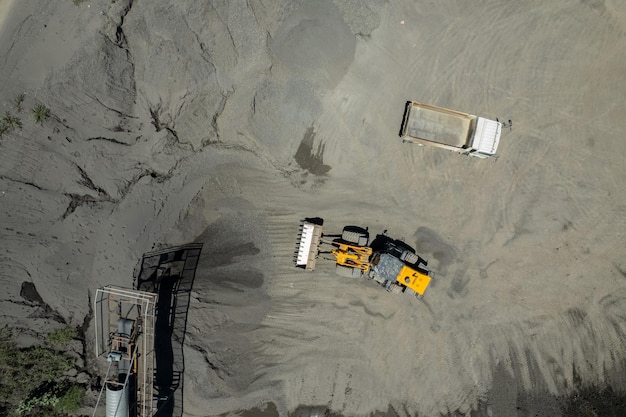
[308, 245]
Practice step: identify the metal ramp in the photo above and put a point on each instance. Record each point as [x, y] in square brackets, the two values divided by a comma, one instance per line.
[169, 273]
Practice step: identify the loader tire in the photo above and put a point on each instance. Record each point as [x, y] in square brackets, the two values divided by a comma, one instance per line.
[410, 258]
[403, 245]
[355, 235]
[347, 271]
[395, 289]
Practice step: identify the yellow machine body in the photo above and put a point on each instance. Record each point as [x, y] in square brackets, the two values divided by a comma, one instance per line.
[413, 279]
[391, 263]
[352, 256]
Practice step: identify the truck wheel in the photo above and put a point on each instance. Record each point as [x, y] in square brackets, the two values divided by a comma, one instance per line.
[410, 257]
[355, 235]
[347, 271]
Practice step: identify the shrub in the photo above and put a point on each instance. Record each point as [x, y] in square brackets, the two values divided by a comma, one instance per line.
[41, 113]
[29, 378]
[11, 121]
[52, 399]
[46, 400]
[62, 336]
[71, 399]
[44, 364]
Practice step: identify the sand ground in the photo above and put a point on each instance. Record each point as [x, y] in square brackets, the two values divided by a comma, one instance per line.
[226, 123]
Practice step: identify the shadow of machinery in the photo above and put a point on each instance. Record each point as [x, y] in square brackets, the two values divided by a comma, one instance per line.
[170, 273]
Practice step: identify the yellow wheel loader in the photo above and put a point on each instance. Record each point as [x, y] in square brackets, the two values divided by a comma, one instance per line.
[390, 262]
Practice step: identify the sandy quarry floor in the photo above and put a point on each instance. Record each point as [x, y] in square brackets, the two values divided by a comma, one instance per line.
[228, 122]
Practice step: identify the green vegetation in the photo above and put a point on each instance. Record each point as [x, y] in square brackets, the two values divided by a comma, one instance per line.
[71, 400]
[46, 400]
[59, 399]
[62, 336]
[41, 113]
[33, 381]
[10, 121]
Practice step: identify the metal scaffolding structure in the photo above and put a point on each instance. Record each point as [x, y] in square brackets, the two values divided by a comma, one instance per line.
[135, 310]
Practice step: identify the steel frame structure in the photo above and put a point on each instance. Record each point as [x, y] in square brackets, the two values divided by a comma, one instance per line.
[112, 303]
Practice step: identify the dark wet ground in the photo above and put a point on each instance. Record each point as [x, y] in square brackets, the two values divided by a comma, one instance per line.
[29, 293]
[589, 401]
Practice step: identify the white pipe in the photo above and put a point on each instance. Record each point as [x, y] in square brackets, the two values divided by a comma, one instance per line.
[101, 389]
[117, 400]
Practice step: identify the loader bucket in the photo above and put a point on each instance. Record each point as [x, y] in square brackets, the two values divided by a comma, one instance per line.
[308, 245]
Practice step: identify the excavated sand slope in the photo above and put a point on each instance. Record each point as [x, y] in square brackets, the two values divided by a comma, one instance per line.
[228, 122]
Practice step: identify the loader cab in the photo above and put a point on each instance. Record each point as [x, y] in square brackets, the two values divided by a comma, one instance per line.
[398, 249]
[398, 277]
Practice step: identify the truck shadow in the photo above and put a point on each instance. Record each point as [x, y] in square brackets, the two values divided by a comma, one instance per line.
[169, 273]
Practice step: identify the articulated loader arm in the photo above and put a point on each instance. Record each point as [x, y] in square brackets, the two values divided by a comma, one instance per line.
[352, 256]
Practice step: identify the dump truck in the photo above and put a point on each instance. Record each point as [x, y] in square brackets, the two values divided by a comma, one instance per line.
[390, 262]
[425, 124]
